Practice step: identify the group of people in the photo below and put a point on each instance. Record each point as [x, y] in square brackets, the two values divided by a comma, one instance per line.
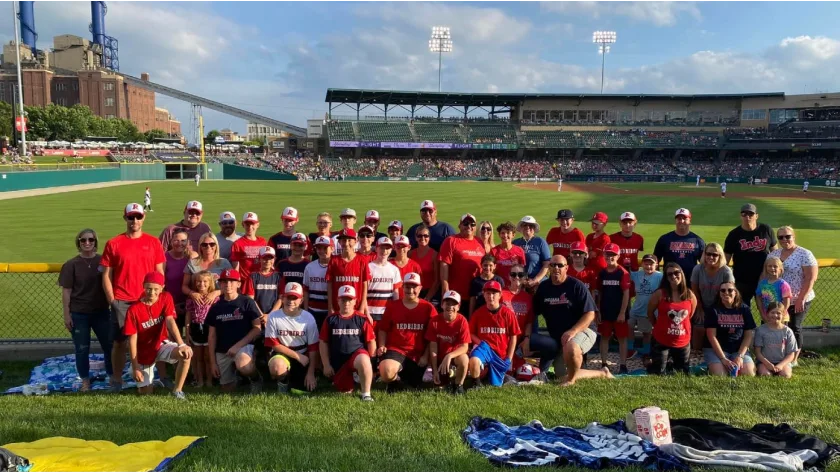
[431, 302]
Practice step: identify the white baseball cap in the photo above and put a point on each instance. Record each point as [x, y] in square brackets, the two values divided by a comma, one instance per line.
[323, 241]
[227, 216]
[290, 213]
[372, 215]
[427, 204]
[682, 212]
[134, 209]
[628, 216]
[384, 241]
[299, 238]
[347, 291]
[267, 250]
[528, 220]
[401, 240]
[451, 295]
[467, 216]
[348, 213]
[250, 217]
[412, 278]
[395, 223]
[194, 205]
[293, 289]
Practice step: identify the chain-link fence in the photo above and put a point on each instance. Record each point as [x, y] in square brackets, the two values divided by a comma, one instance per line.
[31, 311]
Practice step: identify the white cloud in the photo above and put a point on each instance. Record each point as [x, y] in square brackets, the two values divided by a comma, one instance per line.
[658, 13]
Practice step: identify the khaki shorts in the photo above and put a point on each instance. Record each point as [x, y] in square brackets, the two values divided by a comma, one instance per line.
[227, 365]
[167, 353]
[585, 340]
[119, 309]
[641, 324]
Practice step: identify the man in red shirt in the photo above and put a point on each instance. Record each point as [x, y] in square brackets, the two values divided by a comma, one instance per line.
[245, 252]
[560, 238]
[631, 243]
[348, 269]
[460, 258]
[449, 340]
[127, 259]
[401, 339]
[494, 329]
[596, 241]
[146, 326]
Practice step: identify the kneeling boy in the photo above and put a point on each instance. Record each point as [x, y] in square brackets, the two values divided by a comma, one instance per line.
[292, 337]
[449, 340]
[494, 329]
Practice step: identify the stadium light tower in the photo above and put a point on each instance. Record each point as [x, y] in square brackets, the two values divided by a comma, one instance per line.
[440, 42]
[604, 39]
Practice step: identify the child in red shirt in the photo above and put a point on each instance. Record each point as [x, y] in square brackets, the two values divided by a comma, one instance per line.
[449, 339]
[494, 329]
[596, 241]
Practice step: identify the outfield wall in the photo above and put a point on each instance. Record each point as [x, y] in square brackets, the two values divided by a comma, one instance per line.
[16, 181]
[232, 171]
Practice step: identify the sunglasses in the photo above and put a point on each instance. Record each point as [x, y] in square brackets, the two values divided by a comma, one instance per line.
[132, 218]
[87, 240]
[469, 224]
[324, 223]
[208, 245]
[426, 211]
[727, 290]
[486, 229]
[747, 214]
[558, 265]
[785, 237]
[228, 222]
[193, 213]
[517, 274]
[674, 273]
[713, 255]
[423, 235]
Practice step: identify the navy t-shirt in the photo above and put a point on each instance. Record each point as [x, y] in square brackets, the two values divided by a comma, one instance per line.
[265, 289]
[291, 272]
[686, 251]
[536, 251]
[437, 233]
[477, 288]
[729, 325]
[233, 320]
[611, 286]
[282, 245]
[345, 335]
[562, 305]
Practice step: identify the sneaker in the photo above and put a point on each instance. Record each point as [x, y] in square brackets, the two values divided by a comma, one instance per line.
[458, 390]
[179, 395]
[115, 388]
[366, 398]
[622, 369]
[165, 383]
[256, 386]
[477, 383]
[282, 388]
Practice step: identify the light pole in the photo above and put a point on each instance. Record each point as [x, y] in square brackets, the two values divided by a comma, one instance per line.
[20, 84]
[440, 42]
[603, 39]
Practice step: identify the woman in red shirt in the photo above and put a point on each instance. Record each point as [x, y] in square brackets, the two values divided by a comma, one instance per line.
[675, 303]
[426, 257]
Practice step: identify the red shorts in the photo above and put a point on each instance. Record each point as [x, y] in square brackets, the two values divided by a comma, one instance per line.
[621, 329]
[343, 379]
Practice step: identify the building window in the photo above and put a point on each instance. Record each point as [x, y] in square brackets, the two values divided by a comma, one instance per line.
[110, 116]
[109, 102]
[753, 114]
[75, 86]
[60, 86]
[109, 86]
[61, 101]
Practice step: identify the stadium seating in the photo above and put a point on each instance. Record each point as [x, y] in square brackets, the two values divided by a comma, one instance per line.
[438, 132]
[341, 131]
[489, 134]
[381, 131]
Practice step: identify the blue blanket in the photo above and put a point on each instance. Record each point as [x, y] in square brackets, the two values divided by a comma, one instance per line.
[595, 447]
[59, 374]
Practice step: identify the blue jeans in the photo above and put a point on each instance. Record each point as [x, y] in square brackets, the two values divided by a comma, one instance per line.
[100, 323]
[547, 347]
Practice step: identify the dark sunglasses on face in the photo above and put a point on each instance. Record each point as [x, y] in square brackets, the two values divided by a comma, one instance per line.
[713, 255]
[469, 224]
[427, 211]
[324, 223]
[557, 265]
[228, 222]
[747, 214]
[785, 237]
[208, 245]
[366, 235]
[423, 235]
[193, 213]
[132, 218]
[182, 242]
[674, 273]
[727, 290]
[87, 240]
[514, 274]
[486, 229]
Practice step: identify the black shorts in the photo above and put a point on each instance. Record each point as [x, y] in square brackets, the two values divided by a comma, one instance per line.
[296, 375]
[411, 373]
[199, 334]
[320, 316]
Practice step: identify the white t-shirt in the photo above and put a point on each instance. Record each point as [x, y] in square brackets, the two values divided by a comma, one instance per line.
[723, 186]
[148, 196]
[794, 274]
[315, 282]
[384, 280]
[297, 333]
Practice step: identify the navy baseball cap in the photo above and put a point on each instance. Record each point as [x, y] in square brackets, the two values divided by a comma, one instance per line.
[565, 213]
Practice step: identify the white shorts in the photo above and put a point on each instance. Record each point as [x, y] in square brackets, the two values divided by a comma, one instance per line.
[167, 353]
[148, 202]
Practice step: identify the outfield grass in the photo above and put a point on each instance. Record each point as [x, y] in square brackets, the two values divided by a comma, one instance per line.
[414, 431]
[47, 225]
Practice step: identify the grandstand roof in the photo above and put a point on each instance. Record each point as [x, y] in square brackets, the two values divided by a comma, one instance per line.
[397, 97]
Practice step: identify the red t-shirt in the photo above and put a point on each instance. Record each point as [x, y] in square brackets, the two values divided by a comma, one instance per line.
[495, 329]
[586, 276]
[406, 328]
[149, 323]
[507, 258]
[673, 323]
[448, 335]
[596, 251]
[130, 260]
[427, 265]
[247, 253]
[464, 259]
[630, 249]
[348, 273]
[410, 267]
[561, 243]
[522, 304]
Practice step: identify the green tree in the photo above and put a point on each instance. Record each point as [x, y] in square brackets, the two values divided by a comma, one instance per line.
[6, 120]
[211, 137]
[155, 134]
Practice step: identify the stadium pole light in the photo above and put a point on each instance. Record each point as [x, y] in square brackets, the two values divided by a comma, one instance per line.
[603, 39]
[440, 42]
[20, 84]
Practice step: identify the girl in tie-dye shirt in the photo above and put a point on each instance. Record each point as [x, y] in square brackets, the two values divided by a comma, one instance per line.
[772, 288]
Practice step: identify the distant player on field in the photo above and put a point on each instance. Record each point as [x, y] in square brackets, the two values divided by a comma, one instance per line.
[197, 178]
[147, 200]
[535, 179]
[804, 188]
[698, 181]
[559, 183]
[723, 190]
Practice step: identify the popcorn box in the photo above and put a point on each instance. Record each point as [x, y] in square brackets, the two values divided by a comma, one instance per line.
[653, 425]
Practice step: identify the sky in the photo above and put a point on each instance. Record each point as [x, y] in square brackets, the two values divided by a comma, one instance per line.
[278, 59]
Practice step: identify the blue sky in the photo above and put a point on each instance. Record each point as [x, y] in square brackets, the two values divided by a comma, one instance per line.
[278, 59]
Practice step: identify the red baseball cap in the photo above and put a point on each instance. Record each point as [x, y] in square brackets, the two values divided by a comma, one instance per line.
[323, 241]
[492, 286]
[612, 248]
[347, 233]
[578, 246]
[599, 217]
[230, 275]
[154, 278]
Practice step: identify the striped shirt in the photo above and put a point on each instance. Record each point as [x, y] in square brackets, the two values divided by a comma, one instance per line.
[385, 281]
[315, 282]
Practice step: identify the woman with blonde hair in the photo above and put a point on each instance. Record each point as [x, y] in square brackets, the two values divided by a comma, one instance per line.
[706, 279]
[208, 260]
[485, 235]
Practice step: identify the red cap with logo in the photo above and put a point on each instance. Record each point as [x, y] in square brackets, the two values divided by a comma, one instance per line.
[290, 213]
[578, 246]
[347, 233]
[299, 238]
[612, 248]
[293, 289]
[492, 286]
[599, 217]
[154, 278]
[230, 275]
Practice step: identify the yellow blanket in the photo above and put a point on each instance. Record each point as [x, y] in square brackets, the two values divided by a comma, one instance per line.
[69, 454]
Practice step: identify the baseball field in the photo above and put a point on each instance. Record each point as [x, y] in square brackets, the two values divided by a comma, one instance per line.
[405, 431]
